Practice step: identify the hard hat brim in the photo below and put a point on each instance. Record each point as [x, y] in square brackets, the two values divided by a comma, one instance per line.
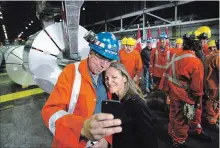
[102, 51]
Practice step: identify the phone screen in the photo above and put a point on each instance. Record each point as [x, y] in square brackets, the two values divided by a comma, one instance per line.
[116, 108]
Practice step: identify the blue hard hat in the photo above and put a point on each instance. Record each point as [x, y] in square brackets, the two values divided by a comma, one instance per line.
[163, 35]
[106, 45]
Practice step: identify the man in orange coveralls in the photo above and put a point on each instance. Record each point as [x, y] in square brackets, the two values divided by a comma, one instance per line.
[183, 80]
[203, 33]
[179, 46]
[160, 57]
[72, 112]
[123, 43]
[131, 59]
[212, 88]
[212, 46]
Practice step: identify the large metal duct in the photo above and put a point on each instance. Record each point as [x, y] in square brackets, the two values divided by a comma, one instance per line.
[1, 57]
[41, 54]
[14, 66]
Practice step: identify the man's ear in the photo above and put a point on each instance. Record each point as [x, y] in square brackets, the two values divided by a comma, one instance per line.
[90, 53]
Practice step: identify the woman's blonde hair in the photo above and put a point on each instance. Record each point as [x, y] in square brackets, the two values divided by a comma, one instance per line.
[130, 87]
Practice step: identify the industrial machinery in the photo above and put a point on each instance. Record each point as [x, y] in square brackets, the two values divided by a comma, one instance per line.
[47, 52]
[14, 66]
[41, 54]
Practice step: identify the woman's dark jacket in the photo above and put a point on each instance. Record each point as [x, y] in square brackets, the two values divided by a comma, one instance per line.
[137, 128]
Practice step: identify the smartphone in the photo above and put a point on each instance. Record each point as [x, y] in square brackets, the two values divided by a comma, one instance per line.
[116, 108]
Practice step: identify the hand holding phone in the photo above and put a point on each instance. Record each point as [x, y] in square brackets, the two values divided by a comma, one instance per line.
[116, 108]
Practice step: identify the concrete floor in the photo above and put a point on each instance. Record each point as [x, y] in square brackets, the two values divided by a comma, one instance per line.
[22, 126]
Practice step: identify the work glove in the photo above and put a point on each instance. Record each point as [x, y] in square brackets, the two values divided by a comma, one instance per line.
[189, 111]
[215, 105]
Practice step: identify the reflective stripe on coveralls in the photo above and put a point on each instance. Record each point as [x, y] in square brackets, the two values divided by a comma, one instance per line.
[73, 101]
[173, 79]
[156, 60]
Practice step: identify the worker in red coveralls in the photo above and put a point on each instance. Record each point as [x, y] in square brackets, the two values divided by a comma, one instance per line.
[183, 81]
[212, 87]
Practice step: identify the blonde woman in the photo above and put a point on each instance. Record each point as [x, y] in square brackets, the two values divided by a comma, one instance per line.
[138, 130]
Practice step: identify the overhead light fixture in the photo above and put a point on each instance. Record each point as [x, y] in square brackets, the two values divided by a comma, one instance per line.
[1, 17]
[0, 12]
[29, 24]
[22, 32]
[26, 27]
[84, 8]
[32, 21]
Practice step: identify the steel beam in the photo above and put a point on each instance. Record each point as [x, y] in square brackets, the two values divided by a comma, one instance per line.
[141, 11]
[175, 17]
[160, 18]
[170, 25]
[121, 24]
[144, 32]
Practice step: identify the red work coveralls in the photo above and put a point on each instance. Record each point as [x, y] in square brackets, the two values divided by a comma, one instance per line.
[184, 73]
[212, 86]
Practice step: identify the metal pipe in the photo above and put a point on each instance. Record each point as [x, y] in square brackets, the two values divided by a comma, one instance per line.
[175, 19]
[144, 30]
[160, 18]
[169, 25]
[141, 12]
[121, 24]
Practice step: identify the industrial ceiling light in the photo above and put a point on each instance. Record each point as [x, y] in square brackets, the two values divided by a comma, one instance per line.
[32, 21]
[26, 27]
[84, 8]
[29, 24]
[0, 12]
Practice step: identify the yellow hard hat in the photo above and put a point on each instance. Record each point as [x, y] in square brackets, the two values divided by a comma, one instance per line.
[212, 43]
[124, 41]
[203, 32]
[179, 41]
[131, 42]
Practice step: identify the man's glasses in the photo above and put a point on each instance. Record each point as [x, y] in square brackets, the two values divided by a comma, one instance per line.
[100, 57]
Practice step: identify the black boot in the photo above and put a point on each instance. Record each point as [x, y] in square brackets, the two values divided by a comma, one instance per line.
[203, 137]
[214, 127]
[180, 145]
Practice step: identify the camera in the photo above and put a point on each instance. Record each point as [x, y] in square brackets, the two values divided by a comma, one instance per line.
[90, 37]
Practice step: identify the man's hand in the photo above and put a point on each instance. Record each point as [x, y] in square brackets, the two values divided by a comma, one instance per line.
[99, 126]
[101, 144]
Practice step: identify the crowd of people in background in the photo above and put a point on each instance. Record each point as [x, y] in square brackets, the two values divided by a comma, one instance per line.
[188, 75]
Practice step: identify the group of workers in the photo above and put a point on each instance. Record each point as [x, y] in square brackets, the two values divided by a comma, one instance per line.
[185, 73]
